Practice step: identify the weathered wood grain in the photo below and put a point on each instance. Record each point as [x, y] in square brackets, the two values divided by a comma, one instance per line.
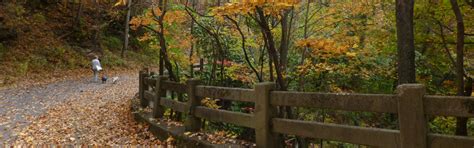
[384, 103]
[192, 122]
[236, 118]
[149, 95]
[141, 88]
[449, 106]
[173, 104]
[444, 141]
[264, 112]
[411, 116]
[158, 110]
[150, 81]
[234, 94]
[410, 103]
[351, 134]
[174, 86]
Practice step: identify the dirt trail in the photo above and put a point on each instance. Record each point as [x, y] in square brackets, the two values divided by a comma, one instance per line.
[72, 112]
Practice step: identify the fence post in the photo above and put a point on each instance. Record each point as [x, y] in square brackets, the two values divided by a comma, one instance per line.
[263, 115]
[411, 116]
[192, 123]
[158, 110]
[141, 88]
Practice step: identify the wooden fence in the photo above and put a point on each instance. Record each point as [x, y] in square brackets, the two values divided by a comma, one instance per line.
[410, 103]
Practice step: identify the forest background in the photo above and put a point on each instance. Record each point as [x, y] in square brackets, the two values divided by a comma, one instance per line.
[337, 46]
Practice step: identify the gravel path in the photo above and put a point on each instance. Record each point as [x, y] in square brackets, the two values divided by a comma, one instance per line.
[72, 112]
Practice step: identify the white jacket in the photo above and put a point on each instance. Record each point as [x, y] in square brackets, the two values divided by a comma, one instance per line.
[96, 65]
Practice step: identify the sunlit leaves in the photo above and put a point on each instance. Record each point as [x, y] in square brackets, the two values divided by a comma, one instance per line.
[273, 8]
[211, 103]
[240, 72]
[322, 46]
[120, 3]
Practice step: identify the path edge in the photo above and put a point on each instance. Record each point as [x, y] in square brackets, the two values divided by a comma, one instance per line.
[162, 131]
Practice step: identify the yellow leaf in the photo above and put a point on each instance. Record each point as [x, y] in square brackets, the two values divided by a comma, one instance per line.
[351, 54]
[355, 46]
[120, 3]
[187, 133]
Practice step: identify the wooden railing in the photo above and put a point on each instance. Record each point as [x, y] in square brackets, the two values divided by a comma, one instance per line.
[410, 103]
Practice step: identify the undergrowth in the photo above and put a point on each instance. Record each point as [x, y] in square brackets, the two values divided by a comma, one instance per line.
[45, 43]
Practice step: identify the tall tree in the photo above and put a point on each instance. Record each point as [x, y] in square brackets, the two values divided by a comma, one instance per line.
[271, 47]
[191, 52]
[405, 41]
[127, 28]
[246, 57]
[461, 123]
[214, 33]
[77, 20]
[162, 40]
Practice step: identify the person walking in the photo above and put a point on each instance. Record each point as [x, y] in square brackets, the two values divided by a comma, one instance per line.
[96, 67]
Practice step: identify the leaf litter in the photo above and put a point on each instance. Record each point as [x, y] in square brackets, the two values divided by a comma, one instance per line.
[99, 115]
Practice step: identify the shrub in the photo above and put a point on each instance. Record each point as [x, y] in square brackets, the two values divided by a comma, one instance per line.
[112, 43]
[22, 68]
[39, 17]
[110, 60]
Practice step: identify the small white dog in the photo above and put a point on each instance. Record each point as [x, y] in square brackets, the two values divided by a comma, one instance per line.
[115, 79]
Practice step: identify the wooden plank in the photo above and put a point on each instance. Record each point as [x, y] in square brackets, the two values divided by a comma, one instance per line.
[344, 133]
[173, 104]
[264, 112]
[385, 103]
[449, 106]
[192, 122]
[236, 118]
[149, 95]
[174, 86]
[150, 81]
[444, 141]
[411, 116]
[158, 110]
[141, 88]
[235, 94]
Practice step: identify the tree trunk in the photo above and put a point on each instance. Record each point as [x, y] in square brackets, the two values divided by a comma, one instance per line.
[261, 61]
[213, 67]
[191, 52]
[219, 53]
[285, 39]
[272, 52]
[77, 23]
[461, 123]
[161, 37]
[273, 55]
[161, 65]
[405, 41]
[127, 28]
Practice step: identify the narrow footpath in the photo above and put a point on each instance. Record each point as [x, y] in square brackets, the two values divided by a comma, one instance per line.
[73, 112]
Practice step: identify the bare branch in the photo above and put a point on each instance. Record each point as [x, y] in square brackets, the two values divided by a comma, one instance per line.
[243, 48]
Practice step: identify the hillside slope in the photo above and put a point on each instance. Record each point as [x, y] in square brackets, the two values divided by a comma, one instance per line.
[39, 39]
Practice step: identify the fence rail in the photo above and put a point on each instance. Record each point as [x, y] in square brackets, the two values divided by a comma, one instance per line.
[234, 94]
[449, 106]
[345, 101]
[352, 134]
[241, 119]
[175, 105]
[410, 104]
